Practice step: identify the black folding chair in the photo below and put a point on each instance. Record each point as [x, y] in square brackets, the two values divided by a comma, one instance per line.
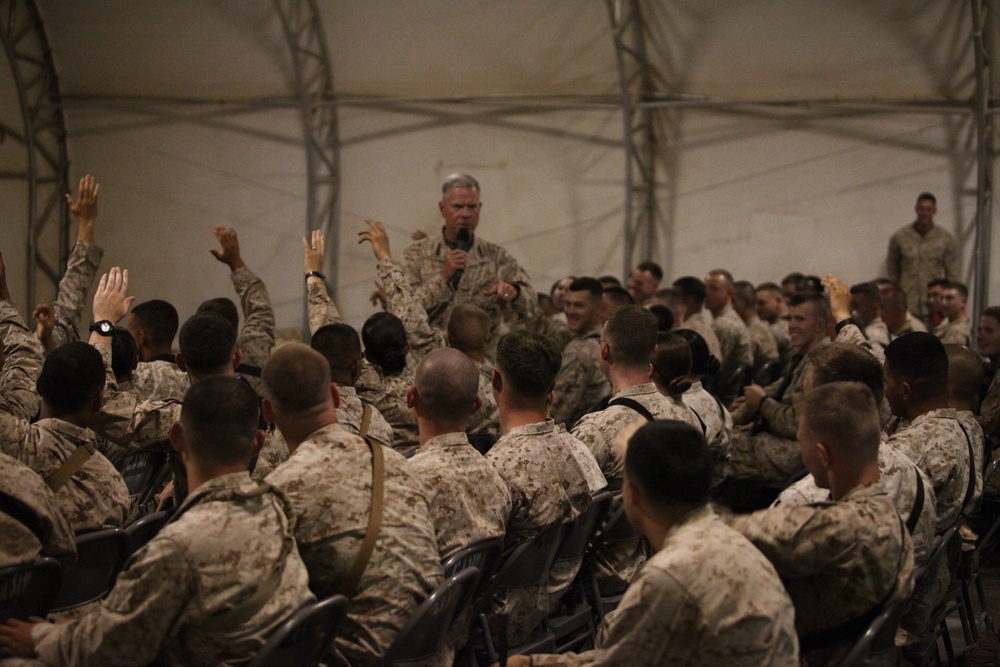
[768, 373]
[616, 530]
[879, 638]
[29, 589]
[143, 471]
[483, 555]
[731, 386]
[100, 556]
[142, 531]
[425, 633]
[306, 637]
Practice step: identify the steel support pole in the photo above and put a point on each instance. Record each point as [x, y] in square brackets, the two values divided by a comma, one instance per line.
[314, 85]
[46, 172]
[984, 29]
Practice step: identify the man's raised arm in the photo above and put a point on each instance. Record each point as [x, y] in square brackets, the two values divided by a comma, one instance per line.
[322, 309]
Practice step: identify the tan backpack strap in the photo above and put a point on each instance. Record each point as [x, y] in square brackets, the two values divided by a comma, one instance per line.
[374, 521]
[366, 420]
[83, 452]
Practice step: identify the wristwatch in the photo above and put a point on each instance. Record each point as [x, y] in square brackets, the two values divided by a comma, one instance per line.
[103, 327]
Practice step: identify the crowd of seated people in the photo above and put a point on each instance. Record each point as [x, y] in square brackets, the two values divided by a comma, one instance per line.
[785, 457]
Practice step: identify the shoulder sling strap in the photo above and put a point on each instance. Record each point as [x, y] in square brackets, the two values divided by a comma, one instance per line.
[918, 503]
[56, 480]
[634, 405]
[374, 521]
[366, 420]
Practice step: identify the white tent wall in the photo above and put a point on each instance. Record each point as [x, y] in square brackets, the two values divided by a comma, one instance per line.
[757, 189]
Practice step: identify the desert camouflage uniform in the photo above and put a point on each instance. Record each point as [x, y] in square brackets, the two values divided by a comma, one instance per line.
[485, 420]
[351, 413]
[257, 334]
[698, 323]
[547, 488]
[588, 464]
[159, 380]
[852, 335]
[958, 332]
[989, 410]
[765, 346]
[837, 560]
[21, 367]
[937, 442]
[487, 262]
[20, 543]
[580, 383]
[707, 598]
[187, 578]
[469, 501]
[73, 287]
[877, 333]
[734, 340]
[322, 309]
[617, 564]
[717, 421]
[915, 260]
[554, 328]
[911, 323]
[329, 481]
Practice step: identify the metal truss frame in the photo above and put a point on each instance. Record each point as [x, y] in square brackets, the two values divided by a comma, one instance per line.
[314, 85]
[986, 105]
[43, 135]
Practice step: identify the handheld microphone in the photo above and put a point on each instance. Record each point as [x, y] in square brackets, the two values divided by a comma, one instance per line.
[464, 242]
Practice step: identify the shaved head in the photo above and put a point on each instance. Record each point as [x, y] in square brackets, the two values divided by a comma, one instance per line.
[296, 379]
[965, 376]
[447, 383]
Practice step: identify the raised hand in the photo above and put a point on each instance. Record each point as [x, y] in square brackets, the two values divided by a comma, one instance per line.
[377, 236]
[313, 252]
[840, 297]
[230, 252]
[84, 207]
[110, 302]
[45, 321]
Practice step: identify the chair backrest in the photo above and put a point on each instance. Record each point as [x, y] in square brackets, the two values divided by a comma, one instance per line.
[582, 530]
[732, 385]
[142, 531]
[768, 373]
[100, 556]
[306, 637]
[424, 634]
[618, 528]
[29, 589]
[483, 555]
[528, 564]
[140, 468]
[879, 638]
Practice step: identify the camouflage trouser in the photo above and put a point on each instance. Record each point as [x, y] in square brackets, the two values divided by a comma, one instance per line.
[764, 457]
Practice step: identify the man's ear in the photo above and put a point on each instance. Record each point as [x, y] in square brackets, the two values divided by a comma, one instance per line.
[335, 395]
[476, 404]
[179, 360]
[605, 352]
[98, 402]
[447, 340]
[237, 358]
[824, 454]
[258, 444]
[497, 381]
[356, 371]
[177, 439]
[268, 410]
[906, 391]
[411, 397]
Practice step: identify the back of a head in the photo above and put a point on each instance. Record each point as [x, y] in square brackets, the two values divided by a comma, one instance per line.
[843, 416]
[72, 376]
[468, 328]
[207, 343]
[158, 320]
[671, 296]
[843, 362]
[664, 318]
[691, 288]
[672, 363]
[529, 363]
[296, 380]
[124, 355]
[965, 376]
[220, 416]
[384, 337]
[744, 295]
[894, 298]
[340, 345]
[630, 332]
[868, 291]
[702, 361]
[919, 358]
[617, 296]
[222, 306]
[670, 461]
[447, 382]
[794, 278]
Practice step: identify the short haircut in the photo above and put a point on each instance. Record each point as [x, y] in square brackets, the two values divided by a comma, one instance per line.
[843, 362]
[724, 273]
[992, 311]
[868, 290]
[207, 342]
[664, 318]
[894, 296]
[702, 361]
[811, 284]
[844, 416]
[938, 282]
[819, 304]
[691, 287]
[882, 282]
[609, 281]
[793, 278]
[296, 378]
[919, 358]
[223, 306]
[340, 345]
[587, 284]
[671, 294]
[927, 196]
[965, 374]
[529, 363]
[459, 180]
[619, 296]
[447, 382]
[630, 332]
[385, 342]
[958, 287]
[124, 354]
[220, 416]
[468, 328]
[158, 320]
[670, 461]
[72, 376]
[745, 293]
[653, 268]
[770, 287]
